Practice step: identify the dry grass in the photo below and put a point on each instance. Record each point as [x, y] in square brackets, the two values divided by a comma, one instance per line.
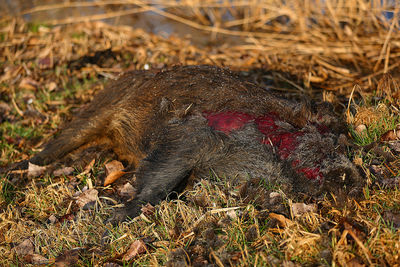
[321, 48]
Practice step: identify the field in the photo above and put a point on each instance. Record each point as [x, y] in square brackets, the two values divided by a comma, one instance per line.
[343, 52]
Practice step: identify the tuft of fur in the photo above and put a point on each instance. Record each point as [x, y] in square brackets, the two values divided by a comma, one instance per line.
[190, 119]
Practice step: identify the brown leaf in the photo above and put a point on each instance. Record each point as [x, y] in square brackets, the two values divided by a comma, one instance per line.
[24, 248]
[63, 171]
[10, 72]
[358, 161]
[111, 264]
[290, 264]
[113, 171]
[52, 219]
[87, 197]
[127, 191]
[361, 128]
[148, 209]
[34, 41]
[112, 177]
[36, 259]
[136, 248]
[45, 62]
[354, 263]
[252, 233]
[301, 208]
[35, 170]
[113, 166]
[88, 167]
[389, 136]
[66, 217]
[29, 84]
[392, 218]
[4, 107]
[68, 258]
[391, 182]
[354, 229]
[395, 146]
[232, 215]
[51, 86]
[376, 170]
[282, 220]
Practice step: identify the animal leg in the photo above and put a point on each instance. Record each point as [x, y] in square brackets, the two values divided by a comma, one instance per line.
[167, 168]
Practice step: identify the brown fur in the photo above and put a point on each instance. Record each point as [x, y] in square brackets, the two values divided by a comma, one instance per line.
[154, 121]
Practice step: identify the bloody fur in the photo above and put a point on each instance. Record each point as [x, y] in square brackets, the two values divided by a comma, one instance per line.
[190, 119]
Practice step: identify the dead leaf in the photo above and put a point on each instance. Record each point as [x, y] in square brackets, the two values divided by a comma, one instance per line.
[354, 229]
[111, 264]
[136, 248]
[52, 219]
[34, 41]
[29, 84]
[35, 170]
[395, 146]
[113, 166]
[45, 62]
[127, 191]
[66, 217]
[358, 161]
[389, 136]
[274, 195]
[391, 182]
[63, 171]
[85, 199]
[354, 263]
[10, 72]
[148, 209]
[51, 86]
[376, 170]
[282, 220]
[113, 171]
[36, 259]
[232, 215]
[252, 233]
[68, 258]
[275, 198]
[87, 169]
[112, 177]
[392, 218]
[4, 107]
[290, 264]
[301, 208]
[24, 248]
[361, 129]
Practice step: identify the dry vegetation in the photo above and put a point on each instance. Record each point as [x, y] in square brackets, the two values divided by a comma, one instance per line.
[345, 52]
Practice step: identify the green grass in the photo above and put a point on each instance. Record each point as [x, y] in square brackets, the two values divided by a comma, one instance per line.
[35, 26]
[374, 131]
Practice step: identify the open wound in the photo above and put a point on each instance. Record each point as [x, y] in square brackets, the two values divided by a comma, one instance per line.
[285, 142]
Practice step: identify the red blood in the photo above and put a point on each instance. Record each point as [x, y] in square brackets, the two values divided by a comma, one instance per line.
[227, 121]
[284, 141]
[311, 173]
[288, 143]
[322, 129]
[266, 124]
